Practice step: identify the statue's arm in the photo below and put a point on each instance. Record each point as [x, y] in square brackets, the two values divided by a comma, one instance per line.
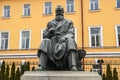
[49, 31]
[71, 31]
[46, 33]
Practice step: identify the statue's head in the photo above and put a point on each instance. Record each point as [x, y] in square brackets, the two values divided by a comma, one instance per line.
[59, 10]
[59, 13]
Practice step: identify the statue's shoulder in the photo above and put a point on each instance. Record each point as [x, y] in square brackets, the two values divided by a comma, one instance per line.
[49, 21]
[68, 20]
[52, 21]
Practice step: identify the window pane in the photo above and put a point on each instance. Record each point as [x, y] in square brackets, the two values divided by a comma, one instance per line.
[2, 44]
[95, 37]
[119, 39]
[70, 5]
[48, 8]
[4, 35]
[118, 3]
[94, 0]
[47, 3]
[4, 40]
[118, 29]
[94, 4]
[6, 7]
[6, 43]
[8, 14]
[28, 12]
[27, 43]
[6, 11]
[26, 9]
[68, 9]
[72, 8]
[95, 30]
[70, 1]
[93, 41]
[25, 34]
[45, 10]
[23, 43]
[97, 40]
[25, 39]
[26, 5]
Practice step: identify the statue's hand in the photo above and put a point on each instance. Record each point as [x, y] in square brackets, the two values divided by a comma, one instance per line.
[62, 39]
[51, 30]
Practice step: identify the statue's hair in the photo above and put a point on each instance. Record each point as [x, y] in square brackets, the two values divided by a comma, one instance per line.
[59, 7]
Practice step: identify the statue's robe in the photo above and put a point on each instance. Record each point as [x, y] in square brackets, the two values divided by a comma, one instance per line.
[50, 45]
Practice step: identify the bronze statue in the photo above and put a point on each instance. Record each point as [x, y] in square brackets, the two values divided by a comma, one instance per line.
[58, 49]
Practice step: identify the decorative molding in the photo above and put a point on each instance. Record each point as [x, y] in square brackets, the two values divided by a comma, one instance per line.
[103, 54]
[89, 55]
[7, 56]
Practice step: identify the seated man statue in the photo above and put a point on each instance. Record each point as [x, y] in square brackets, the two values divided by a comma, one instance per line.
[58, 49]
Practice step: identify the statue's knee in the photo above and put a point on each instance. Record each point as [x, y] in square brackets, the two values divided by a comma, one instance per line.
[70, 42]
[46, 39]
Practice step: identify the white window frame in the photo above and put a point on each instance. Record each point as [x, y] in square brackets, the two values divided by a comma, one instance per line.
[20, 39]
[70, 6]
[48, 11]
[101, 36]
[116, 28]
[3, 13]
[23, 12]
[8, 39]
[94, 6]
[116, 4]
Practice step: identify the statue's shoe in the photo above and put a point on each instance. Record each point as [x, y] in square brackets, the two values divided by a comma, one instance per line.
[74, 68]
[40, 68]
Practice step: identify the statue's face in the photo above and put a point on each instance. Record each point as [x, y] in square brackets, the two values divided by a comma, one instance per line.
[59, 13]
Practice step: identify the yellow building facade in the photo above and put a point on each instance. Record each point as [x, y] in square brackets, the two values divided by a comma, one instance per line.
[96, 22]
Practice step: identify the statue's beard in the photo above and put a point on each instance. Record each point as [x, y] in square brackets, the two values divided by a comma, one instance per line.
[59, 17]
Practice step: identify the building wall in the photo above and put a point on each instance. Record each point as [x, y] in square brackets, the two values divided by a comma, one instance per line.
[36, 22]
[107, 17]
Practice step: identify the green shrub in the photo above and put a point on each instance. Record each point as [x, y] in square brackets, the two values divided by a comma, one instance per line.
[115, 74]
[103, 77]
[7, 73]
[23, 68]
[17, 76]
[3, 71]
[12, 77]
[28, 66]
[108, 73]
[33, 68]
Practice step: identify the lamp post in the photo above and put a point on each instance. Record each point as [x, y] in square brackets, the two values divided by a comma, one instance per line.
[97, 67]
[22, 66]
[23, 62]
[100, 62]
